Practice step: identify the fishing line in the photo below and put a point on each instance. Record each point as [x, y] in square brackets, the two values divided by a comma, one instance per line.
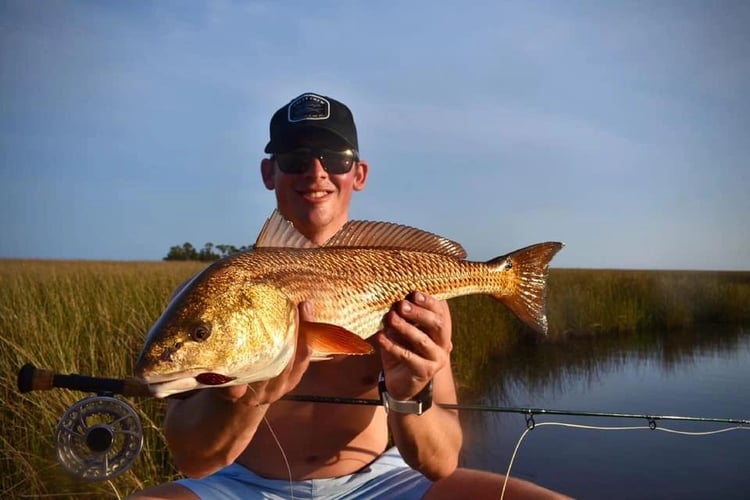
[278, 443]
[114, 490]
[283, 455]
[531, 425]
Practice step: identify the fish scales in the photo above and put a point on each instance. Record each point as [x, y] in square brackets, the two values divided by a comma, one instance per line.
[354, 287]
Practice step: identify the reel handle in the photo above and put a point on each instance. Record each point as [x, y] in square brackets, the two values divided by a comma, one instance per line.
[31, 378]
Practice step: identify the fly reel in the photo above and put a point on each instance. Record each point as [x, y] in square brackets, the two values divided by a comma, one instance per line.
[98, 438]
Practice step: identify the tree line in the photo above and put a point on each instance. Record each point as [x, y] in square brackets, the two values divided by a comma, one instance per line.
[209, 252]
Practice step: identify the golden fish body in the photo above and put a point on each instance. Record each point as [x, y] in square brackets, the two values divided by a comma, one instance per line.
[235, 322]
[354, 288]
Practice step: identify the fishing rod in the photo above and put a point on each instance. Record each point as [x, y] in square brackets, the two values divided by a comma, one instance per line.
[530, 411]
[31, 378]
[99, 437]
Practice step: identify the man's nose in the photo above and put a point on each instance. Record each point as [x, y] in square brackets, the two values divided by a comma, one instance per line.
[315, 168]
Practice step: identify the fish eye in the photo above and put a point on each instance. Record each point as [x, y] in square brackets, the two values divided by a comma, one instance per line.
[200, 333]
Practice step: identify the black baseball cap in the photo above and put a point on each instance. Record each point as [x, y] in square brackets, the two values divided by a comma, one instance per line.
[311, 112]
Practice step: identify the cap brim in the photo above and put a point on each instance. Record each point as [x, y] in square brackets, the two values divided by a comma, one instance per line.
[290, 140]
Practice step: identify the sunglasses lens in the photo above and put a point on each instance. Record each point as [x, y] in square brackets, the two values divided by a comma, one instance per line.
[334, 162]
[293, 163]
[337, 163]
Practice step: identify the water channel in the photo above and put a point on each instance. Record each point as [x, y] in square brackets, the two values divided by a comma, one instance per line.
[691, 373]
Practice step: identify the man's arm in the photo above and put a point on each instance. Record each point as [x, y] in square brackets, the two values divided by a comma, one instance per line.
[415, 348]
[209, 429]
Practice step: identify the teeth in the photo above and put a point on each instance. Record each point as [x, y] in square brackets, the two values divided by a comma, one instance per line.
[316, 194]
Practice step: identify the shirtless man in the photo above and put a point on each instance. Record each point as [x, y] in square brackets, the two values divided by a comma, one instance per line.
[244, 442]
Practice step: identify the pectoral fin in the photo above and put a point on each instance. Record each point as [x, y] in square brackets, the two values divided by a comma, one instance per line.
[326, 340]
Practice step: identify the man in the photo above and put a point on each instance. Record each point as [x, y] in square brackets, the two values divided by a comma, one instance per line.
[244, 442]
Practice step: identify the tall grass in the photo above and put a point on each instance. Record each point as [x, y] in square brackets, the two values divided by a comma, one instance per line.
[91, 317]
[85, 317]
[583, 301]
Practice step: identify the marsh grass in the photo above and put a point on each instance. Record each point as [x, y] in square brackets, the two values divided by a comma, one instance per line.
[583, 301]
[91, 317]
[82, 317]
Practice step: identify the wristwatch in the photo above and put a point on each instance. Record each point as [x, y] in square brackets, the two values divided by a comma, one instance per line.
[417, 406]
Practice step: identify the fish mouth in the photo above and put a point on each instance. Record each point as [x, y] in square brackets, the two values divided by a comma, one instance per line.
[211, 378]
[162, 386]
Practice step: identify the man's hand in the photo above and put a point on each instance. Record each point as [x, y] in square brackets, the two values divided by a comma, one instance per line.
[268, 391]
[415, 344]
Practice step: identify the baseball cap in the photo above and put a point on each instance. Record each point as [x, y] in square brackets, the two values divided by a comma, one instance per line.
[308, 112]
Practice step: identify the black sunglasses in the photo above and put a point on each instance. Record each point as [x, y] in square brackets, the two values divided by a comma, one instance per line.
[299, 160]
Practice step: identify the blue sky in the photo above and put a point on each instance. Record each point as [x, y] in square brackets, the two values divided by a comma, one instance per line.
[620, 128]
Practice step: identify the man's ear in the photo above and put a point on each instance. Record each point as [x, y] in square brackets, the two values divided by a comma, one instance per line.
[267, 171]
[360, 176]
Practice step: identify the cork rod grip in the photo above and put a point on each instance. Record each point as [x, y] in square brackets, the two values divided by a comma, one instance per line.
[31, 378]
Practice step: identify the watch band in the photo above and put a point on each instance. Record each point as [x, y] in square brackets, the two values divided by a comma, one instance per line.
[417, 406]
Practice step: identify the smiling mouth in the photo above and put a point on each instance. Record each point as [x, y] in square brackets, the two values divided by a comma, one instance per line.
[315, 195]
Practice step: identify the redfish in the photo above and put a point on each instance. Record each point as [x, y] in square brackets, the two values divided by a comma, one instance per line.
[236, 321]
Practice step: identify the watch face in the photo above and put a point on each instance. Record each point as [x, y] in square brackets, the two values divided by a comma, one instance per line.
[410, 407]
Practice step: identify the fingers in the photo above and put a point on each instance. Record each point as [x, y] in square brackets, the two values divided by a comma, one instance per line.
[292, 373]
[231, 393]
[415, 344]
[417, 335]
[304, 313]
[407, 340]
[431, 317]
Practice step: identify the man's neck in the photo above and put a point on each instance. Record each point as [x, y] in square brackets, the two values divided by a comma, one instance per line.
[316, 232]
[320, 237]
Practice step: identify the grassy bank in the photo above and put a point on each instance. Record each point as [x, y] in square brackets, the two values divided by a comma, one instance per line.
[84, 317]
[592, 302]
[90, 318]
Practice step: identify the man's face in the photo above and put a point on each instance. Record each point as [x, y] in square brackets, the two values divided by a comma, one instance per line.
[315, 201]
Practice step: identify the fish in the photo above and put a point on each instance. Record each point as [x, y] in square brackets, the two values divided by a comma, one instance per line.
[236, 321]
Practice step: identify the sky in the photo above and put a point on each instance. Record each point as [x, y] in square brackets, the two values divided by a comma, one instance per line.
[619, 128]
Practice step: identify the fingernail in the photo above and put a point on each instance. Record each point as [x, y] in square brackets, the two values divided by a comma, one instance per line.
[418, 297]
[406, 306]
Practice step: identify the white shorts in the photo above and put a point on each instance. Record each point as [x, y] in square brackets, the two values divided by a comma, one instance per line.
[387, 477]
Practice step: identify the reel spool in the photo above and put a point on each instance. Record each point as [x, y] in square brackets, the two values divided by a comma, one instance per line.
[98, 438]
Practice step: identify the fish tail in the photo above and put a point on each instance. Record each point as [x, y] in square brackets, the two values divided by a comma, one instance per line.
[524, 290]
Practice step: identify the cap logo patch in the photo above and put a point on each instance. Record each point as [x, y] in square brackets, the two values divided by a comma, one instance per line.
[309, 107]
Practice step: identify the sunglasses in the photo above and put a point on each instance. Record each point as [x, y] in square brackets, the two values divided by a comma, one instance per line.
[299, 160]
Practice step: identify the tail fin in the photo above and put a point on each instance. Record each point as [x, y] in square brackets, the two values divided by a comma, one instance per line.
[528, 267]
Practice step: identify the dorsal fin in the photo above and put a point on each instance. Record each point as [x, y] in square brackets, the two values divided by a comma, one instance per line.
[361, 233]
[279, 232]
